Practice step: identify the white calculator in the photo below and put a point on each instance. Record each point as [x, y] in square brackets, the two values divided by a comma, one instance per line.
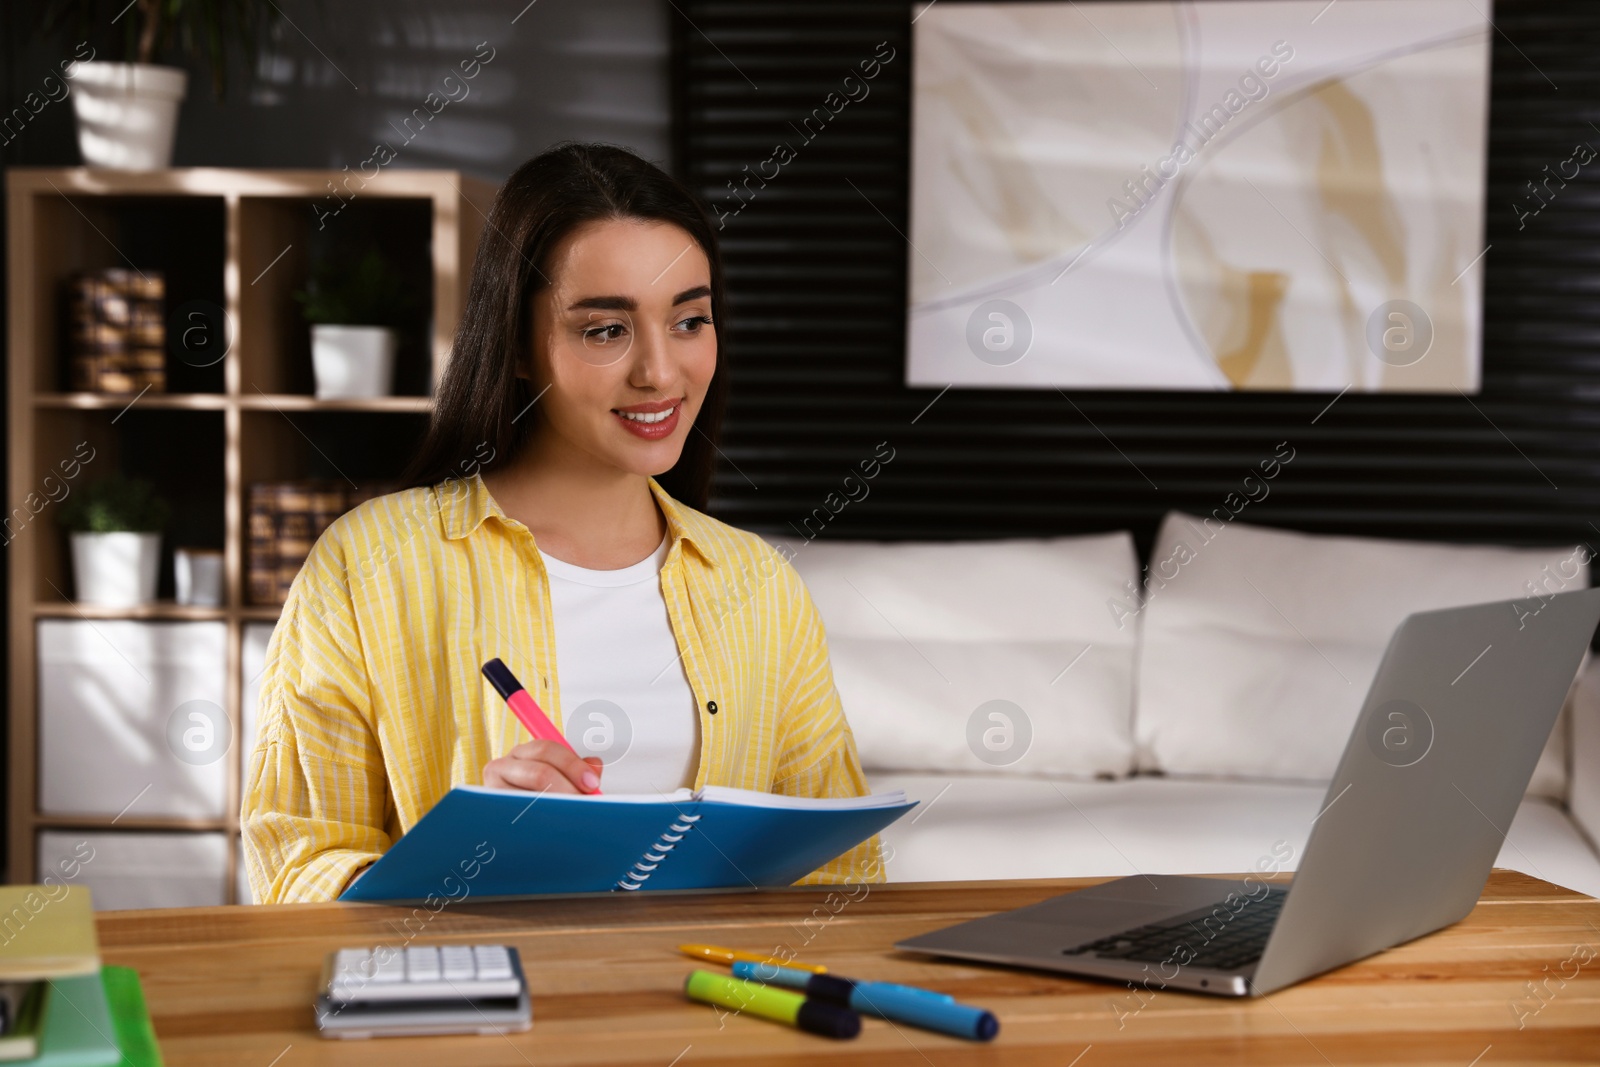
[392, 990]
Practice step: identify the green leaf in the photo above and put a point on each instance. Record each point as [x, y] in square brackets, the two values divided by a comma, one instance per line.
[114, 504]
[368, 293]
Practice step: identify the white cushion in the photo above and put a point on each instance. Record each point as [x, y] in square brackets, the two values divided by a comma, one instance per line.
[984, 827]
[925, 638]
[1259, 645]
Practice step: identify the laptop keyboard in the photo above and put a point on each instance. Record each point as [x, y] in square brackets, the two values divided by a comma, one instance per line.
[1218, 945]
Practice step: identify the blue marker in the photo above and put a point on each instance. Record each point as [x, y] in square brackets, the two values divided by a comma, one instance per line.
[898, 1003]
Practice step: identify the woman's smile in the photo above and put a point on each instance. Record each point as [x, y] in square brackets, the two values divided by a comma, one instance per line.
[652, 420]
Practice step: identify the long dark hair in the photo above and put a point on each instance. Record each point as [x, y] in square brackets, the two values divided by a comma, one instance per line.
[482, 417]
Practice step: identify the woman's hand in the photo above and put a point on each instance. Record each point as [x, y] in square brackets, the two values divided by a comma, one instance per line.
[544, 767]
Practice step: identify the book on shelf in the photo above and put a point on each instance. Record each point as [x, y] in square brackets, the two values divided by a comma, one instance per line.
[285, 519]
[117, 331]
[293, 532]
[261, 574]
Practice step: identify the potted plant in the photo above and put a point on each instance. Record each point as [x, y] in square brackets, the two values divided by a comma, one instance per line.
[126, 104]
[115, 526]
[352, 311]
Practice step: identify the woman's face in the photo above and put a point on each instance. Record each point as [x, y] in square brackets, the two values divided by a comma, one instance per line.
[623, 343]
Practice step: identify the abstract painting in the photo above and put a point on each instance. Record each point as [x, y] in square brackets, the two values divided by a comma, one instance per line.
[1244, 194]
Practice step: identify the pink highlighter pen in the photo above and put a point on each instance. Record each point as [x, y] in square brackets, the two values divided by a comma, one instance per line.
[522, 705]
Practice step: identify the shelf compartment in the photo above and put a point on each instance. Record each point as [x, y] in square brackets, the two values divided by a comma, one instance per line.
[141, 869]
[132, 718]
[352, 446]
[182, 237]
[281, 240]
[179, 450]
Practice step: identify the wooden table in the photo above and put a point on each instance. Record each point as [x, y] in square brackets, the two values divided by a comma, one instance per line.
[234, 985]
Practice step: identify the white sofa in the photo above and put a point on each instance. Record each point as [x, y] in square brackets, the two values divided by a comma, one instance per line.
[1062, 712]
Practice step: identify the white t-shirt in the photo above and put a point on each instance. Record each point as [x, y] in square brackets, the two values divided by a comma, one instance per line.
[624, 694]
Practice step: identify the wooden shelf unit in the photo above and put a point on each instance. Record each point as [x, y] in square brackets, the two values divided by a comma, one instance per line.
[63, 220]
[221, 402]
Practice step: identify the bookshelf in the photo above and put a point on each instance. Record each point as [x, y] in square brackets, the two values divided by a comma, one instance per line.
[242, 241]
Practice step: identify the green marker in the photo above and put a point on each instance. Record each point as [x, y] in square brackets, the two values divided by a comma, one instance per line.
[779, 1005]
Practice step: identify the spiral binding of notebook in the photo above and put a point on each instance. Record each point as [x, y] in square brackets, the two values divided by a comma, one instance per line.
[636, 878]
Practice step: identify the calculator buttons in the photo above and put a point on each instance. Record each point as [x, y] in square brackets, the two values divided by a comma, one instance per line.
[424, 973]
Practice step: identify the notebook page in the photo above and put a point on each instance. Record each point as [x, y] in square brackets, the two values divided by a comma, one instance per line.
[677, 796]
[750, 798]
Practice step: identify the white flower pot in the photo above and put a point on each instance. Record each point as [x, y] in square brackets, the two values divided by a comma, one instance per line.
[127, 113]
[116, 570]
[197, 573]
[352, 362]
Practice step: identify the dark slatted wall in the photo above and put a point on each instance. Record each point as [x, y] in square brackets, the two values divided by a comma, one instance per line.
[816, 269]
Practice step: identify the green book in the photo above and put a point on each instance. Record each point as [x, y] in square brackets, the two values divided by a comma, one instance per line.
[77, 1030]
[135, 1035]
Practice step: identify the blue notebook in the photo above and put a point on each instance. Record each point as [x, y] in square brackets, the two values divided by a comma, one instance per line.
[479, 842]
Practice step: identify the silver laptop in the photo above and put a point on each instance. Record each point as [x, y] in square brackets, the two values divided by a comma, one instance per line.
[1431, 777]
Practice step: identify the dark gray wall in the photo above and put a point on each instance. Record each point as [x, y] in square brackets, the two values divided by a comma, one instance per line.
[335, 74]
[322, 98]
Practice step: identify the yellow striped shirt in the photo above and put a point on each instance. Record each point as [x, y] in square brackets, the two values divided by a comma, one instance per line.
[372, 705]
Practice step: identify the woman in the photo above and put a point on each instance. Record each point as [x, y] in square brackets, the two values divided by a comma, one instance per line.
[586, 364]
